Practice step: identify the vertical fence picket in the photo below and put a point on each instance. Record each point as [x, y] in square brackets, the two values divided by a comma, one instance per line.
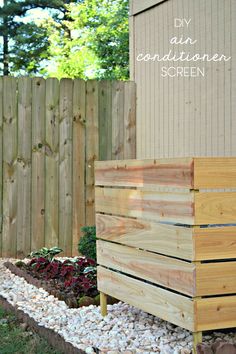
[50, 135]
[65, 166]
[79, 143]
[1, 155]
[118, 120]
[24, 167]
[38, 163]
[92, 147]
[105, 120]
[51, 163]
[129, 120]
[9, 166]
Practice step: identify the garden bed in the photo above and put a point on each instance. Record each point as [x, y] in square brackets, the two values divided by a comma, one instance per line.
[125, 330]
[76, 291]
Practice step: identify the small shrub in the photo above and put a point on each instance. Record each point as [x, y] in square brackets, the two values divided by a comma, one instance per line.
[87, 243]
[47, 253]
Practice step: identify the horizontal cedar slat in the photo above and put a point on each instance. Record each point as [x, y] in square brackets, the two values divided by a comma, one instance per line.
[145, 173]
[149, 205]
[215, 172]
[216, 278]
[194, 244]
[169, 306]
[166, 239]
[169, 272]
[215, 313]
[214, 243]
[192, 173]
[215, 208]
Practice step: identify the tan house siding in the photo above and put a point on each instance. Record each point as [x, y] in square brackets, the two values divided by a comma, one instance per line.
[137, 6]
[185, 116]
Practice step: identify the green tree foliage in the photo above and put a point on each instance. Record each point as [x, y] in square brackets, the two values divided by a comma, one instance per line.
[99, 42]
[25, 43]
[80, 38]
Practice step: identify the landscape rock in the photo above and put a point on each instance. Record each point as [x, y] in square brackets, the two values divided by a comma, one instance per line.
[124, 330]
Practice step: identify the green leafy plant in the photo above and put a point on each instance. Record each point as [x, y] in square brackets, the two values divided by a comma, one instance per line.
[47, 253]
[87, 243]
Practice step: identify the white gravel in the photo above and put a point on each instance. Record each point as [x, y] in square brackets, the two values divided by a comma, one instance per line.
[125, 329]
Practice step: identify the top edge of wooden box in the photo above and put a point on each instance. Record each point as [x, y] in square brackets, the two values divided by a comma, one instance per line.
[191, 173]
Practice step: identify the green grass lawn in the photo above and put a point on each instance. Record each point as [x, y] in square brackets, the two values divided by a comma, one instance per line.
[16, 340]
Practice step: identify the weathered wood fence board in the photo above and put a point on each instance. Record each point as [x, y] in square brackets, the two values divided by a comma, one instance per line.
[51, 163]
[92, 146]
[24, 166]
[38, 163]
[79, 144]
[51, 133]
[65, 165]
[9, 166]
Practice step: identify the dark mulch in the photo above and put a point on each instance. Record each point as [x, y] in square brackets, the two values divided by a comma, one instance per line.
[217, 348]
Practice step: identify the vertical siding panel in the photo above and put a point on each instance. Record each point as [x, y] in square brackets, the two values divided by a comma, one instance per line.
[51, 163]
[166, 131]
[219, 72]
[148, 140]
[24, 167]
[143, 81]
[79, 143]
[92, 148]
[216, 90]
[203, 88]
[190, 114]
[137, 38]
[132, 64]
[65, 166]
[129, 120]
[233, 75]
[198, 82]
[1, 158]
[170, 99]
[175, 83]
[187, 117]
[152, 83]
[138, 66]
[227, 77]
[209, 102]
[161, 93]
[9, 196]
[157, 75]
[38, 163]
[181, 133]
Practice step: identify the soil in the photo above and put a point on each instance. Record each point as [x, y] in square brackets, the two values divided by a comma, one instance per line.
[53, 338]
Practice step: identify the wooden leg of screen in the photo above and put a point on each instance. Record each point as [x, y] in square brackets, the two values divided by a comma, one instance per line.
[103, 303]
[197, 338]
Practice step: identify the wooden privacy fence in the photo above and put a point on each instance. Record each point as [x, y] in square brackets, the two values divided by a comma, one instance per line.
[51, 133]
[166, 241]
